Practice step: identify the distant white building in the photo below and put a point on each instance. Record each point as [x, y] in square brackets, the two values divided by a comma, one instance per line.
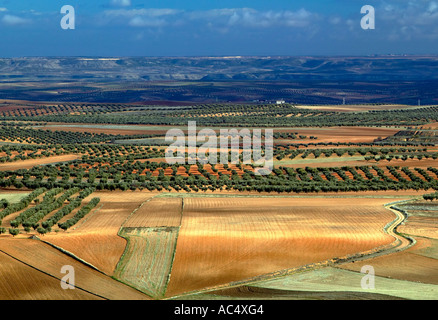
[281, 102]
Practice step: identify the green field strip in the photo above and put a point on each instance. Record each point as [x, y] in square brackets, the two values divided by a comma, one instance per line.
[147, 261]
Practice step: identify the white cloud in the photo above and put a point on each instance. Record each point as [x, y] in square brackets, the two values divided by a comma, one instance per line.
[218, 19]
[142, 22]
[412, 20]
[140, 13]
[251, 18]
[395, 19]
[335, 20]
[153, 18]
[121, 3]
[433, 6]
[14, 20]
[3, 9]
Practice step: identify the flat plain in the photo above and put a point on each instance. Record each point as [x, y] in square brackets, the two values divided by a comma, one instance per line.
[80, 186]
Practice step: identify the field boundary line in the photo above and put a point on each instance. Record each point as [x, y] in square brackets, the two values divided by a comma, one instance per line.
[176, 243]
[72, 255]
[134, 211]
[51, 275]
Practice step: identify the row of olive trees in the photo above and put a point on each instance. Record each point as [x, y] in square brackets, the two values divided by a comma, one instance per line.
[80, 214]
[67, 209]
[22, 204]
[430, 196]
[47, 201]
[39, 214]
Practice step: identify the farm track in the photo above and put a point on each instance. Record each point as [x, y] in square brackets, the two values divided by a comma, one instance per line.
[399, 244]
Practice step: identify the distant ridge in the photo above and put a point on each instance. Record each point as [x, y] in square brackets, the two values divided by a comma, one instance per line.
[234, 68]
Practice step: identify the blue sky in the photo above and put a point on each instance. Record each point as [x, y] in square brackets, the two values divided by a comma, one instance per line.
[217, 28]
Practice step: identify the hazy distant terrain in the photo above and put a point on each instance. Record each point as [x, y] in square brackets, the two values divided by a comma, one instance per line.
[379, 68]
[305, 80]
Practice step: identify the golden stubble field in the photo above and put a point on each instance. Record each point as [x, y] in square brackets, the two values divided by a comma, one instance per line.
[222, 240]
[218, 239]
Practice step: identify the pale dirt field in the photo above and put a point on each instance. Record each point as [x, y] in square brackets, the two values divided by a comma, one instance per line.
[30, 163]
[344, 134]
[357, 107]
[335, 161]
[223, 239]
[331, 282]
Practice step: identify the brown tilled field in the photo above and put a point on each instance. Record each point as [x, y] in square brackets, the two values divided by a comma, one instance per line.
[158, 212]
[230, 239]
[48, 262]
[326, 134]
[26, 283]
[410, 265]
[222, 238]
